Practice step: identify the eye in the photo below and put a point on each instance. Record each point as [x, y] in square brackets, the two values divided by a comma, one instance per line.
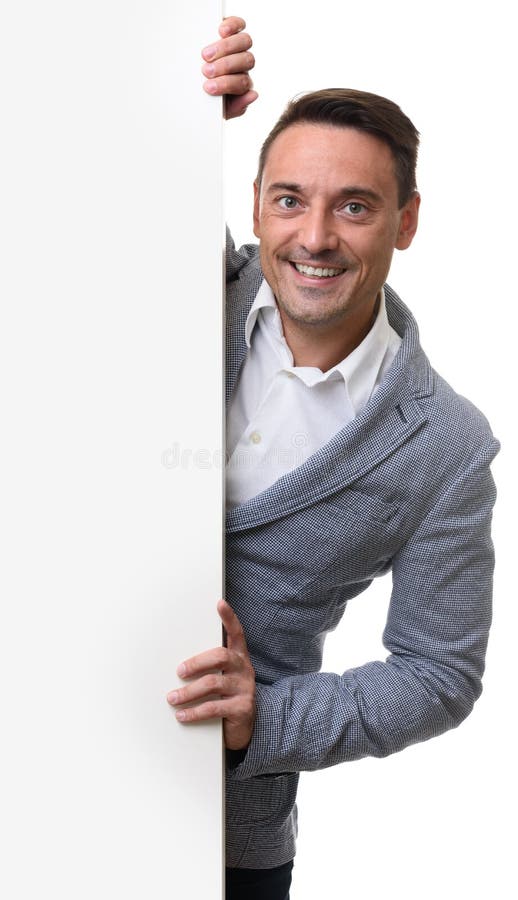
[288, 202]
[354, 208]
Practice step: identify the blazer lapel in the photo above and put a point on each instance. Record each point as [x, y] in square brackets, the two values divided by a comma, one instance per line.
[241, 294]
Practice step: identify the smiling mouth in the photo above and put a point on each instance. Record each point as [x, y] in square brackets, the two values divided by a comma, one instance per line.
[318, 271]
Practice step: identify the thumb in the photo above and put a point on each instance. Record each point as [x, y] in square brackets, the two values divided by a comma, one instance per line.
[235, 636]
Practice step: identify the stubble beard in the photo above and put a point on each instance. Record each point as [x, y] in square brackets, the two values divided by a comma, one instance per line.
[317, 318]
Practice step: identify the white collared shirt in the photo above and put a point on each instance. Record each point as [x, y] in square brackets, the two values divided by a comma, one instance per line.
[279, 413]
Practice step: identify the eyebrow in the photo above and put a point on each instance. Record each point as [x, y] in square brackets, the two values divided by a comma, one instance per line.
[284, 186]
[352, 190]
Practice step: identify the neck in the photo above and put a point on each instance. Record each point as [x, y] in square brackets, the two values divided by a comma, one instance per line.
[323, 346]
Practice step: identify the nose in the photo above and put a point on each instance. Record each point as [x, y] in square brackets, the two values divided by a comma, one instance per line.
[318, 231]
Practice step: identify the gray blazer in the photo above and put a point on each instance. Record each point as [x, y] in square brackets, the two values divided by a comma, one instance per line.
[406, 486]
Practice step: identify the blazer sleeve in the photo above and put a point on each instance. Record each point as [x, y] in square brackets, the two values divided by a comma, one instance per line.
[436, 633]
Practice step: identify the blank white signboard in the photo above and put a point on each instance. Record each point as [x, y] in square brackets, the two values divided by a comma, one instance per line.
[111, 412]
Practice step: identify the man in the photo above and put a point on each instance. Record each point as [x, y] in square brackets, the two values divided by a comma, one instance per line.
[348, 456]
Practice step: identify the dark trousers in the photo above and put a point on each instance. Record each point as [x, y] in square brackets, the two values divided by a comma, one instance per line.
[259, 884]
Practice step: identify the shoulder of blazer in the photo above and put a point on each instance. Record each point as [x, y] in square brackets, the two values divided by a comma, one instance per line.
[242, 262]
[467, 425]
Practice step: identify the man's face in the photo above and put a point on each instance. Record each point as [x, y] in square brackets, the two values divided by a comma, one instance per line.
[328, 202]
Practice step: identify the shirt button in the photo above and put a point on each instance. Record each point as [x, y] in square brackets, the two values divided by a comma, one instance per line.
[255, 437]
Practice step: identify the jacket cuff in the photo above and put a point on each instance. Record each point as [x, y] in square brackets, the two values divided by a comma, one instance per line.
[259, 758]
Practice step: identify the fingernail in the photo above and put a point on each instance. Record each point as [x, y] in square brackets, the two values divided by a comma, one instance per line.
[181, 670]
[172, 697]
[211, 87]
[209, 70]
[181, 715]
[209, 52]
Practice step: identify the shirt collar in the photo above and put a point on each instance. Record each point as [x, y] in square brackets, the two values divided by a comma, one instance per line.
[264, 299]
[361, 369]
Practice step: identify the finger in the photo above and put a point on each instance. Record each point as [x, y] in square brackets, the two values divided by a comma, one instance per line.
[203, 663]
[237, 43]
[238, 62]
[200, 689]
[213, 709]
[228, 84]
[231, 25]
[236, 106]
[236, 640]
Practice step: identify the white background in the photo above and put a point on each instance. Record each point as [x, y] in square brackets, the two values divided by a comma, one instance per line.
[437, 820]
[111, 507]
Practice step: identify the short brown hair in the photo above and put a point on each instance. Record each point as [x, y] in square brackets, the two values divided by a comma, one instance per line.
[347, 108]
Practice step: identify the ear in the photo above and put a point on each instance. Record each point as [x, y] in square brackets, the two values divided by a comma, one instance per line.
[409, 216]
[257, 230]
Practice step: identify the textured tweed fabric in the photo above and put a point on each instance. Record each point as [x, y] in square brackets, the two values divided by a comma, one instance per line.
[405, 487]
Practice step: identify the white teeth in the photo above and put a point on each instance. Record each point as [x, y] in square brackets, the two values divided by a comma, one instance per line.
[319, 273]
